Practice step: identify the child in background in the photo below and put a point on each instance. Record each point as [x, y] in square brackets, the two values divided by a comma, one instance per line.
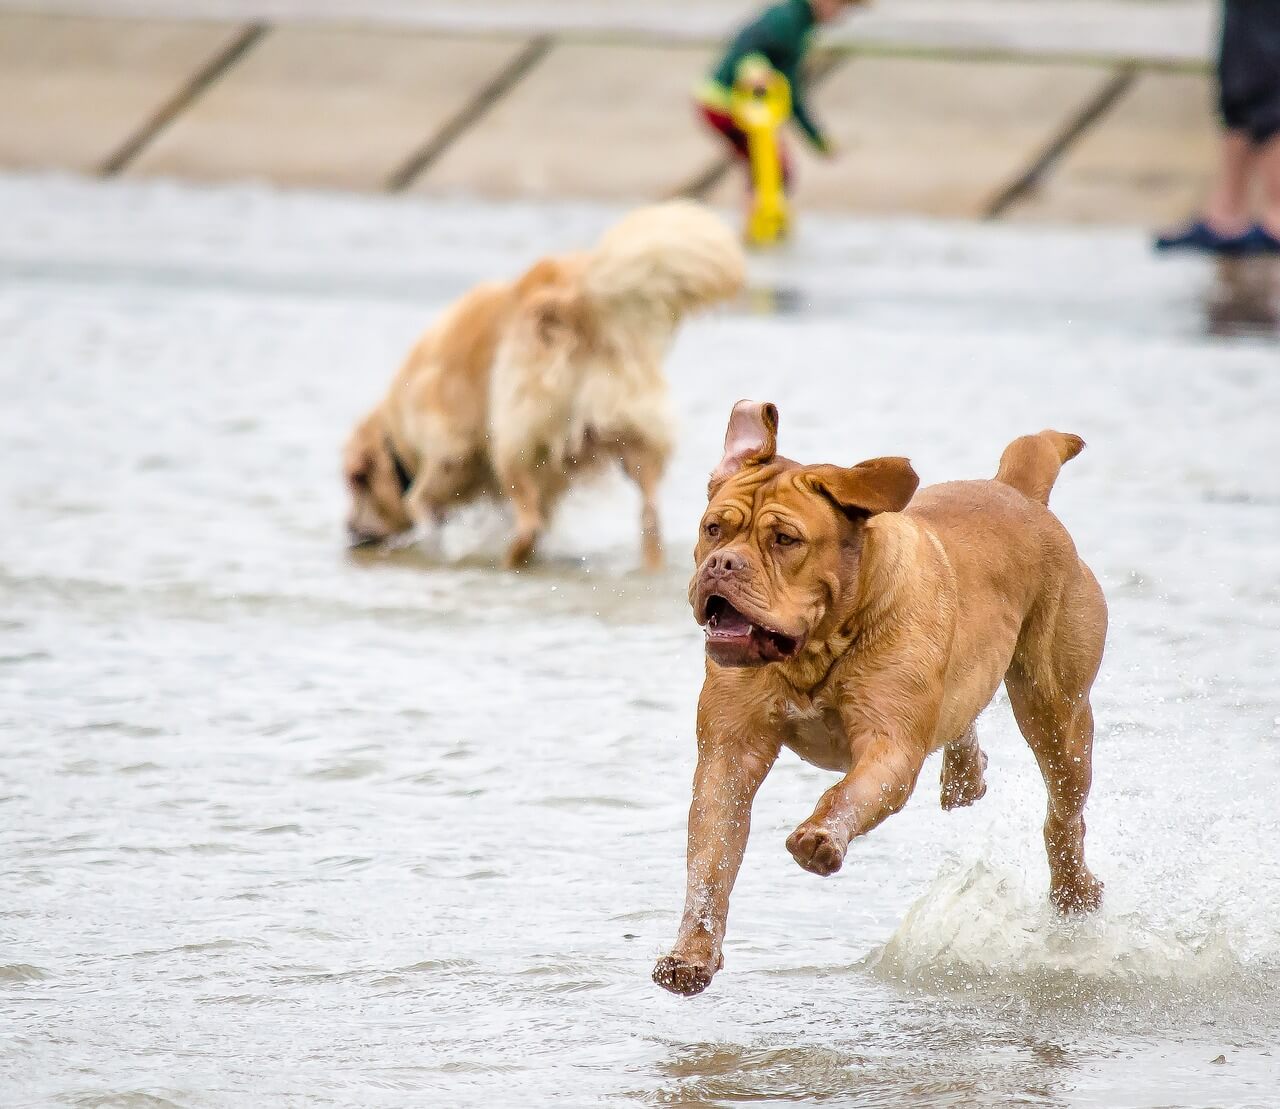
[780, 38]
[1249, 100]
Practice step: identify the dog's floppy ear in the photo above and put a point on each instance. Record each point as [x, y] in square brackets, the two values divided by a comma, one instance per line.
[750, 440]
[877, 485]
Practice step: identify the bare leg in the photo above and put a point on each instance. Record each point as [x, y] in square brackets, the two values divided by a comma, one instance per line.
[645, 466]
[877, 787]
[1268, 160]
[527, 502]
[1228, 208]
[724, 786]
[963, 763]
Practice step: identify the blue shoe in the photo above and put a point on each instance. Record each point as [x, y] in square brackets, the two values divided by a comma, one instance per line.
[1200, 236]
[1260, 241]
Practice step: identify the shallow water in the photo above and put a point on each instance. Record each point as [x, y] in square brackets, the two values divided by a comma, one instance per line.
[281, 826]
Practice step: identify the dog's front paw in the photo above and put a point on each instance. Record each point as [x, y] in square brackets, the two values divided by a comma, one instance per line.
[817, 849]
[520, 551]
[681, 977]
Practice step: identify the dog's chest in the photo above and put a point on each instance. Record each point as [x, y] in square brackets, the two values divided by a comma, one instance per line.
[814, 731]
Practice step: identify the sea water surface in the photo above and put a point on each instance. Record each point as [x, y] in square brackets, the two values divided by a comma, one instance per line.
[283, 826]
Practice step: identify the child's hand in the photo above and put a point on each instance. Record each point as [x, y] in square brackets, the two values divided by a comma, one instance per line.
[827, 148]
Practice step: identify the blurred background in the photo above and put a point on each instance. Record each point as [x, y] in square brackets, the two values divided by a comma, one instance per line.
[1098, 111]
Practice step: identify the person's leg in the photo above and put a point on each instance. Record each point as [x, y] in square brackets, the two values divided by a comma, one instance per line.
[1224, 225]
[1229, 207]
[1265, 125]
[1254, 76]
[722, 123]
[1269, 173]
[1265, 237]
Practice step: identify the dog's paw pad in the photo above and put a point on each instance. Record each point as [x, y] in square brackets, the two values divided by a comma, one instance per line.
[686, 979]
[816, 849]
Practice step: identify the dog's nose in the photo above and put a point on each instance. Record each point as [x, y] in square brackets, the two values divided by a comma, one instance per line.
[725, 562]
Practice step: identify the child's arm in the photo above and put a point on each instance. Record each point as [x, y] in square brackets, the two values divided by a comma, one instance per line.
[806, 122]
[784, 37]
[778, 38]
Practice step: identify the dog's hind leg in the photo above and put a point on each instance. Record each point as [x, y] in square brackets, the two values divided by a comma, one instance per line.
[963, 763]
[644, 466]
[1053, 669]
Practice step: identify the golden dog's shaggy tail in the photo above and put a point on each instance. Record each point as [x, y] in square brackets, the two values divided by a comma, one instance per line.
[677, 256]
[1031, 464]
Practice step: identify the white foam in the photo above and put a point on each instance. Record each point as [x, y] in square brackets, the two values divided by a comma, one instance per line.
[982, 929]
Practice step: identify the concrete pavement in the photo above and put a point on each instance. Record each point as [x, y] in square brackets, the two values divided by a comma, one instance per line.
[564, 98]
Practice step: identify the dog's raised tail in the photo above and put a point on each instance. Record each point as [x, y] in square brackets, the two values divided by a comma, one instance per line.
[1031, 463]
[678, 255]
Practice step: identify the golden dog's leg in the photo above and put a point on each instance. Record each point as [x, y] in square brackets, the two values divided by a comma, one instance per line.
[428, 518]
[876, 788]
[526, 499]
[724, 786]
[963, 763]
[645, 468]
[417, 506]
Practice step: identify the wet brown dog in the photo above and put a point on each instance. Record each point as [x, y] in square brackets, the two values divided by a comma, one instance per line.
[864, 634]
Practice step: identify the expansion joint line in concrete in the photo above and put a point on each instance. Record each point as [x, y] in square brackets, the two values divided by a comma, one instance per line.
[515, 71]
[1092, 111]
[241, 43]
[823, 66]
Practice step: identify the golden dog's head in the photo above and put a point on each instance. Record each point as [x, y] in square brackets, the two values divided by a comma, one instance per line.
[780, 548]
[376, 485]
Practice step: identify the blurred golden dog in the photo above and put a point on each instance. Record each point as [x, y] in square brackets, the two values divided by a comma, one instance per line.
[523, 387]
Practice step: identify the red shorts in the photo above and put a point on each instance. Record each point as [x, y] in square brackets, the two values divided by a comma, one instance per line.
[722, 122]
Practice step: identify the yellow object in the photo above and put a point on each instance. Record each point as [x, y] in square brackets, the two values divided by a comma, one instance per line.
[761, 104]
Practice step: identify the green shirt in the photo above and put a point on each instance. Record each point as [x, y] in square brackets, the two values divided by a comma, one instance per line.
[782, 35]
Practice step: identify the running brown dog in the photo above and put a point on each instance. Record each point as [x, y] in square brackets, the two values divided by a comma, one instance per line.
[864, 634]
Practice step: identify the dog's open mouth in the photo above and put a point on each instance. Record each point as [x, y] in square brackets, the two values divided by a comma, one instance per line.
[733, 640]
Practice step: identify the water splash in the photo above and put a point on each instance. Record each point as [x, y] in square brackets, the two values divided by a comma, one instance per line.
[982, 931]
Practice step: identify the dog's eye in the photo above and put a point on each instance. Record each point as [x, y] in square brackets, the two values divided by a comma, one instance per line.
[713, 530]
[785, 540]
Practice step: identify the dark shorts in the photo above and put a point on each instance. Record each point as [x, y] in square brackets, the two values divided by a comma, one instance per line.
[1249, 68]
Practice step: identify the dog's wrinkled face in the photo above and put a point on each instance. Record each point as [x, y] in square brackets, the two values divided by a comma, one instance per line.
[374, 486]
[780, 545]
